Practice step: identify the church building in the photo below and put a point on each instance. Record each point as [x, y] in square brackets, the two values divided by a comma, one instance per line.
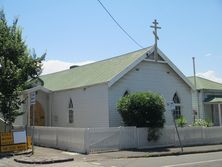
[86, 96]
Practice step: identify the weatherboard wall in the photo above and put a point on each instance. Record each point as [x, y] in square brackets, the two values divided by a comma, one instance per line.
[90, 106]
[154, 77]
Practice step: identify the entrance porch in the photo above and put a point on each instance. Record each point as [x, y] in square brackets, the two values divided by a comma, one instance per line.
[212, 111]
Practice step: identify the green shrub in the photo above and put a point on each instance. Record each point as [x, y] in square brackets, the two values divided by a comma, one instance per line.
[144, 109]
[181, 121]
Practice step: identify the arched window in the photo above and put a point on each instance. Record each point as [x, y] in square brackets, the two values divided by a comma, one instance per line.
[176, 99]
[177, 111]
[71, 112]
[70, 103]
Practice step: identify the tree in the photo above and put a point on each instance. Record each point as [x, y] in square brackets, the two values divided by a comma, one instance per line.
[19, 68]
[144, 109]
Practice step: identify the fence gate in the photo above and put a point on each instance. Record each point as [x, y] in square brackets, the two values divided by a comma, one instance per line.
[104, 139]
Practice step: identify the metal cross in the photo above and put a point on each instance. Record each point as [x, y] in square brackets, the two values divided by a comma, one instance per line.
[156, 37]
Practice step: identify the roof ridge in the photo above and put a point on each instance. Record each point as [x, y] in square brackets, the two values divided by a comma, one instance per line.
[120, 55]
[207, 80]
[149, 47]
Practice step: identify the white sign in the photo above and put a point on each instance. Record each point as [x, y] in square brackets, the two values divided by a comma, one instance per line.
[19, 137]
[33, 98]
[170, 106]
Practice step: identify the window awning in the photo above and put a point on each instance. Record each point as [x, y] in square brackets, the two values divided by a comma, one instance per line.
[214, 100]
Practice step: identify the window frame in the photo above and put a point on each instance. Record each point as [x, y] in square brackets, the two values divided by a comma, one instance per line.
[71, 112]
[177, 111]
[71, 116]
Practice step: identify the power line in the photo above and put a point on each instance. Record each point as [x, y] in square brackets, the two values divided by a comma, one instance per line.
[120, 25]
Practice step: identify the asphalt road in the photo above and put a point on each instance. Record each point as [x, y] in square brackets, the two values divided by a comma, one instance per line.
[191, 160]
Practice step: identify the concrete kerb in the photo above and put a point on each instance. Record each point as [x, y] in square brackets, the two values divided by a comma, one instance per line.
[15, 153]
[42, 161]
[147, 155]
[26, 157]
[119, 155]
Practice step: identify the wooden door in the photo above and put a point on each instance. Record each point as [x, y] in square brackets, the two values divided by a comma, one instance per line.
[39, 115]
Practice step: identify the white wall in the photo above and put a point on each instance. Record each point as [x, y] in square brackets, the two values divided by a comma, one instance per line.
[90, 107]
[85, 140]
[155, 77]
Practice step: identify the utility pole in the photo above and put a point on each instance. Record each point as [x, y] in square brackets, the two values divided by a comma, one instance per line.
[171, 108]
[33, 102]
[195, 85]
[156, 38]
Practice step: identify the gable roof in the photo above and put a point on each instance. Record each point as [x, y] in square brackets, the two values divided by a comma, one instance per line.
[206, 84]
[106, 71]
[170, 63]
[91, 74]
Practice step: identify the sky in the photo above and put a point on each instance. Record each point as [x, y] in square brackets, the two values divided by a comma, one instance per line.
[80, 31]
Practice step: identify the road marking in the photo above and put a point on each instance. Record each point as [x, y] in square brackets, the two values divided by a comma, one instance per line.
[193, 163]
[70, 153]
[95, 163]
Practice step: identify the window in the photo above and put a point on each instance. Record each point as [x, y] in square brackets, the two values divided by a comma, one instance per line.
[177, 111]
[71, 112]
[70, 116]
[70, 103]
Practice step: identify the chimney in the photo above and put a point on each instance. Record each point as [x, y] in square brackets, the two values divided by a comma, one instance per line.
[73, 66]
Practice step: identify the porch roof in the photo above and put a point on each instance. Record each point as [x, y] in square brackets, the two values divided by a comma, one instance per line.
[36, 89]
[214, 100]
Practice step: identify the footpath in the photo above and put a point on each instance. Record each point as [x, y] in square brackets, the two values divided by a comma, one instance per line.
[43, 155]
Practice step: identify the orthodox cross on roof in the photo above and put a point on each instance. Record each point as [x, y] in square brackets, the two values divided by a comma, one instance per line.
[156, 37]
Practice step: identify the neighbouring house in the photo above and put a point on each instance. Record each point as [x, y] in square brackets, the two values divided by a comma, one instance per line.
[86, 96]
[207, 100]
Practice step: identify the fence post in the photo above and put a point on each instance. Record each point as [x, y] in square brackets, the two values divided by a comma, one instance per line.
[135, 137]
[203, 135]
[56, 133]
[87, 140]
[120, 137]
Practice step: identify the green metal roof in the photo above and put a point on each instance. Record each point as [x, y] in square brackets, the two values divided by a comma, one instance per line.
[216, 100]
[91, 74]
[206, 84]
[213, 99]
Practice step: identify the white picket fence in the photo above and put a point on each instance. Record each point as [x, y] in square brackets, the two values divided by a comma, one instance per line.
[86, 140]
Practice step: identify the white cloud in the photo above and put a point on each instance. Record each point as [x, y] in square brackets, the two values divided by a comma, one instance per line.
[211, 75]
[208, 55]
[51, 66]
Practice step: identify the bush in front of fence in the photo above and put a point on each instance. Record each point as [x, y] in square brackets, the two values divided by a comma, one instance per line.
[202, 123]
[143, 109]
